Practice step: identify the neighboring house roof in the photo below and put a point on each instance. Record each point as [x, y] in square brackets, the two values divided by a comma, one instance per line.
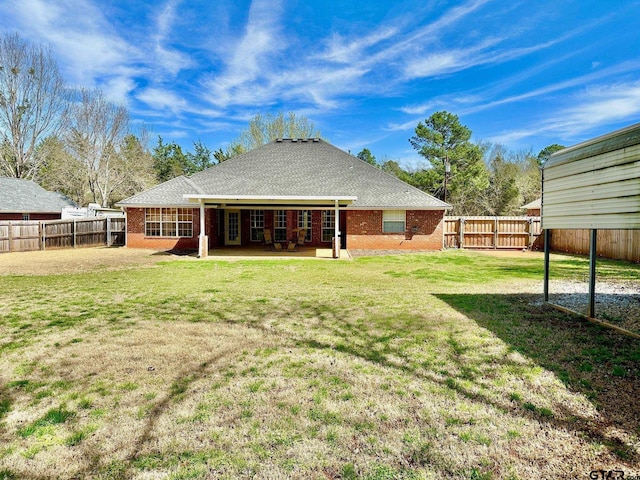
[532, 205]
[291, 168]
[25, 196]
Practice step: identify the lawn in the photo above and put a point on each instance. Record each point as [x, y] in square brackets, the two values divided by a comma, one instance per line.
[439, 365]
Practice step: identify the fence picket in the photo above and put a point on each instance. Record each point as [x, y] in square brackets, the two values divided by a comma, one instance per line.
[41, 235]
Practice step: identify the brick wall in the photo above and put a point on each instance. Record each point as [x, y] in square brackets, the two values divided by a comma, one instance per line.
[424, 231]
[137, 239]
[32, 216]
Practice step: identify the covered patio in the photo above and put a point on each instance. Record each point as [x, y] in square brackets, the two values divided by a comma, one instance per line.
[232, 206]
[264, 253]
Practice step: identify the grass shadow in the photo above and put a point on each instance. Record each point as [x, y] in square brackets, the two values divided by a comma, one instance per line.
[599, 363]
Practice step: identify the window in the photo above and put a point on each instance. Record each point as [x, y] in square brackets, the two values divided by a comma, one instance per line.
[257, 225]
[393, 221]
[304, 221]
[168, 222]
[25, 216]
[328, 225]
[280, 226]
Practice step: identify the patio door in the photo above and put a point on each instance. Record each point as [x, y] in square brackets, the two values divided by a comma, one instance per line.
[232, 230]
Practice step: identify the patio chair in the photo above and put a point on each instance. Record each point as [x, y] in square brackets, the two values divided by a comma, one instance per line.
[292, 247]
[277, 247]
[302, 235]
[268, 240]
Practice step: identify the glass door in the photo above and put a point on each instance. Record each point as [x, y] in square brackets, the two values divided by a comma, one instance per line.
[232, 232]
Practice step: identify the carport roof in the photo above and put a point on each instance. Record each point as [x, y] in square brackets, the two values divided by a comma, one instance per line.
[290, 171]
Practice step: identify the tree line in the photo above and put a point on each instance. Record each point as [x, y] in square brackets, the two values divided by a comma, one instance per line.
[475, 178]
[78, 142]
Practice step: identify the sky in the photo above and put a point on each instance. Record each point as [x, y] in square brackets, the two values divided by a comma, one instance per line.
[524, 74]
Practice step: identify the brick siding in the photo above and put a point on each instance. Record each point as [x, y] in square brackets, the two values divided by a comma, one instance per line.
[424, 231]
[363, 230]
[32, 216]
[136, 236]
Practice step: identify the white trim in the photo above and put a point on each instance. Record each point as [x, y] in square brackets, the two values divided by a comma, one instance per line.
[310, 198]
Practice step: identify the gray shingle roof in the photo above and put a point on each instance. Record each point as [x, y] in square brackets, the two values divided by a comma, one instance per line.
[26, 196]
[305, 168]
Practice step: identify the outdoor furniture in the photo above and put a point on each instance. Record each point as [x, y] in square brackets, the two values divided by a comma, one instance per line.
[268, 240]
[302, 234]
[277, 247]
[291, 247]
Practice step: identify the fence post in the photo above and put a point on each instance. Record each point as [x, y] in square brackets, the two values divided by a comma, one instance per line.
[530, 221]
[461, 227]
[108, 228]
[10, 237]
[73, 232]
[495, 232]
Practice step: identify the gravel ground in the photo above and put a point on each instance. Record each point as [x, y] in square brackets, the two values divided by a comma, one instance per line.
[617, 303]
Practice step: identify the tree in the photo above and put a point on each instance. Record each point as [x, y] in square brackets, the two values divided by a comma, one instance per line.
[503, 196]
[169, 161]
[60, 171]
[393, 168]
[97, 128]
[366, 156]
[221, 155]
[546, 152]
[200, 159]
[263, 129]
[33, 100]
[134, 168]
[455, 163]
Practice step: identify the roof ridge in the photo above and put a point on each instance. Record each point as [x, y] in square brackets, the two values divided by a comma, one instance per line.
[190, 182]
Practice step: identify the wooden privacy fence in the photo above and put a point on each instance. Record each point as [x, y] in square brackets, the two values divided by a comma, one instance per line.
[616, 244]
[70, 233]
[492, 232]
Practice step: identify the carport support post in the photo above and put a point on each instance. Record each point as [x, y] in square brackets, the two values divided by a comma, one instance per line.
[547, 248]
[592, 272]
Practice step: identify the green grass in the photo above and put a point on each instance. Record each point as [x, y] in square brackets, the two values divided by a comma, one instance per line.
[442, 364]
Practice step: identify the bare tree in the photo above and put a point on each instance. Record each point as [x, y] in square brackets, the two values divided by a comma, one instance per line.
[96, 129]
[263, 129]
[32, 103]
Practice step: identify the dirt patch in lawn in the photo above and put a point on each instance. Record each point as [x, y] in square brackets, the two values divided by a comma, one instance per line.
[79, 260]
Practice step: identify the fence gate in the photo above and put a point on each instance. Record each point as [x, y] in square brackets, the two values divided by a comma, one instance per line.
[491, 232]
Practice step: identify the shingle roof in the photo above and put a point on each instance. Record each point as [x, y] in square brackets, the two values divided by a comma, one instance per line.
[304, 167]
[535, 204]
[26, 196]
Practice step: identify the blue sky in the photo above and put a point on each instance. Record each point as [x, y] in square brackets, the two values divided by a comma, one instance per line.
[525, 74]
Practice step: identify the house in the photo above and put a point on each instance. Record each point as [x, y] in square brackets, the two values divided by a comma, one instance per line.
[284, 186]
[533, 208]
[26, 200]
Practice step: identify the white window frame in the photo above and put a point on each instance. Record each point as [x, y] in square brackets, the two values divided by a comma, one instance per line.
[328, 225]
[302, 214]
[25, 217]
[257, 225]
[168, 222]
[280, 226]
[394, 221]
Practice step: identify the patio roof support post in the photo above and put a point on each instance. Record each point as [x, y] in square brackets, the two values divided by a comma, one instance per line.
[336, 236]
[202, 238]
[592, 272]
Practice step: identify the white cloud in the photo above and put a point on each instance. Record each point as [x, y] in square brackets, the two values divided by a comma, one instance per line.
[594, 108]
[169, 59]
